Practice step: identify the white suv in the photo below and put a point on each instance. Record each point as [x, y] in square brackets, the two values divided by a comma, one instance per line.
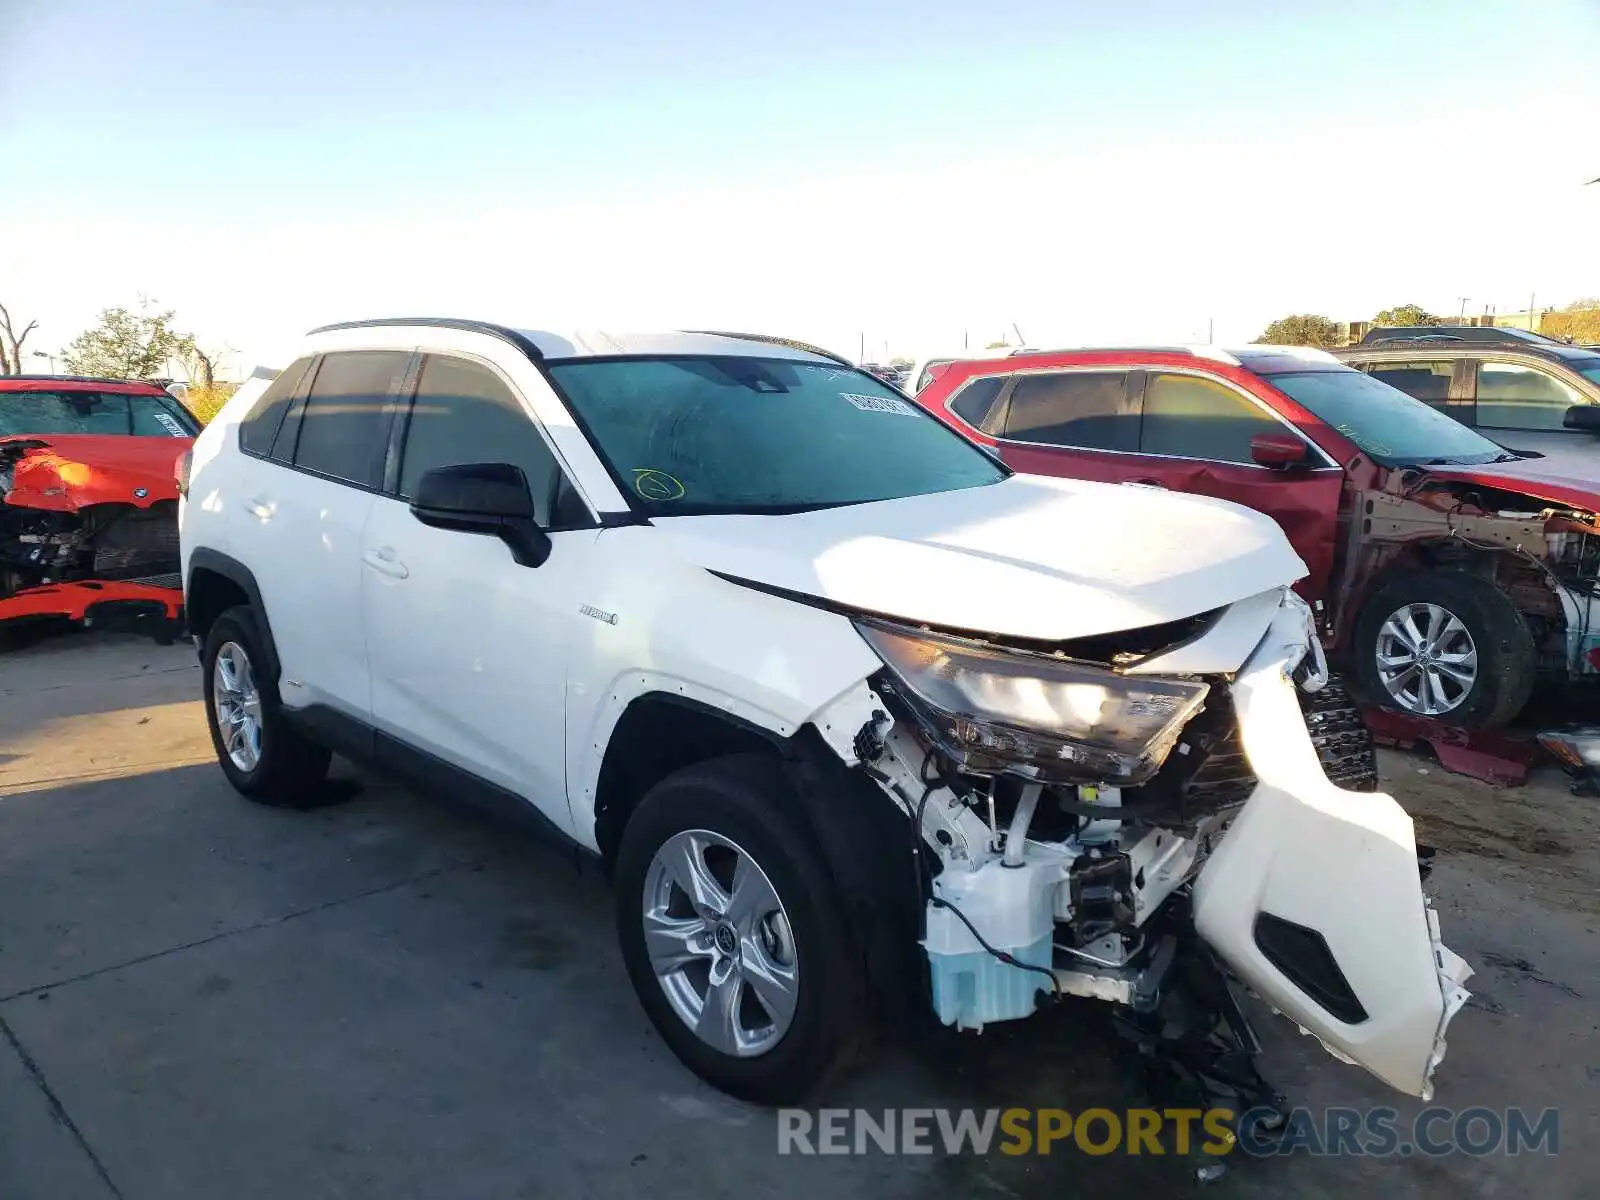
[736, 618]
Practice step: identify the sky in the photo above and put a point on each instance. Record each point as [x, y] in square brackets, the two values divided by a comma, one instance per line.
[898, 177]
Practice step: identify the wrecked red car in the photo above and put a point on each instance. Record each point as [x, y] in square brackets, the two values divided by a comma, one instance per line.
[1451, 575]
[88, 501]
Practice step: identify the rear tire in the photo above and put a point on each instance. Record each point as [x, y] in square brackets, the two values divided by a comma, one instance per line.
[1476, 614]
[264, 758]
[777, 1053]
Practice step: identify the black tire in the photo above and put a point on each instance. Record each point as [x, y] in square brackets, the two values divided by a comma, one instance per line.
[1507, 659]
[291, 768]
[748, 800]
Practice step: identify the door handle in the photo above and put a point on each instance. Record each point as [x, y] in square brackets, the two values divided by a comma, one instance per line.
[259, 506]
[1148, 483]
[384, 562]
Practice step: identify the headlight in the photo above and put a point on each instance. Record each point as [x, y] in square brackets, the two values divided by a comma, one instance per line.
[1046, 718]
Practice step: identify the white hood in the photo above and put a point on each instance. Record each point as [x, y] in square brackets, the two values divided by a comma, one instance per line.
[1030, 557]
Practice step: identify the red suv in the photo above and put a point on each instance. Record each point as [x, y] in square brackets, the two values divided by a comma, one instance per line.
[1450, 574]
[89, 500]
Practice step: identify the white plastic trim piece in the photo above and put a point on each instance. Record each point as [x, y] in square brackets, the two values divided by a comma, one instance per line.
[1215, 354]
[1309, 353]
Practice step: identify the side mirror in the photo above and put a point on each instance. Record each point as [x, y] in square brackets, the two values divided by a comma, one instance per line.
[1584, 417]
[1280, 451]
[487, 498]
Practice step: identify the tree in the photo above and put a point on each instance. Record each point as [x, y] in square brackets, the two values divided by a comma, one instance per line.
[1407, 314]
[1000, 345]
[11, 343]
[1579, 321]
[127, 345]
[1302, 329]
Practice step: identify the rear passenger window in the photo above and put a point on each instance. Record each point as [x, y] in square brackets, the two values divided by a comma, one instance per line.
[260, 424]
[976, 401]
[465, 413]
[345, 422]
[1512, 396]
[1086, 409]
[1189, 417]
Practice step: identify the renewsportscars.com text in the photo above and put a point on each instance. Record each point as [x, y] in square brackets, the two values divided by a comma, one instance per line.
[1371, 1132]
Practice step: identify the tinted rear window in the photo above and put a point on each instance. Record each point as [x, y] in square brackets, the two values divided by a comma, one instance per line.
[260, 424]
[1074, 408]
[344, 429]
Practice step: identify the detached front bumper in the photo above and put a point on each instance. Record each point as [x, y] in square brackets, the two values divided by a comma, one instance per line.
[139, 605]
[1313, 896]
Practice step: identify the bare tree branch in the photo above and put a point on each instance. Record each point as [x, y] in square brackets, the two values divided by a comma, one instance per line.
[11, 343]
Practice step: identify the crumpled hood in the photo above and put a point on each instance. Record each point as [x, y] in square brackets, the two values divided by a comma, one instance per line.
[66, 472]
[1029, 557]
[1542, 478]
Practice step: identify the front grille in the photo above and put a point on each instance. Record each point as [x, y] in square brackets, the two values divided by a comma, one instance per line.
[1208, 771]
[173, 580]
[136, 543]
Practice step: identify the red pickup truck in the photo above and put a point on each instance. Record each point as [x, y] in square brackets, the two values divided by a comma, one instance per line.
[1451, 574]
[88, 501]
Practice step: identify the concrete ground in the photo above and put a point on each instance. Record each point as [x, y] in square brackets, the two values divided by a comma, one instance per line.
[201, 998]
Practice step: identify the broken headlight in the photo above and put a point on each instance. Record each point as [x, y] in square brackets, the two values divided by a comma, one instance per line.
[1045, 718]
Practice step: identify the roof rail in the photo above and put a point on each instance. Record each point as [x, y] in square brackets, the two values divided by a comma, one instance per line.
[504, 333]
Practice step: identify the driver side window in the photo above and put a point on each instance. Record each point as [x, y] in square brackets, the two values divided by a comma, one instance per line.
[465, 413]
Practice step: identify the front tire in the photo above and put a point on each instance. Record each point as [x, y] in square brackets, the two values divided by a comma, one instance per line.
[732, 932]
[264, 758]
[1446, 645]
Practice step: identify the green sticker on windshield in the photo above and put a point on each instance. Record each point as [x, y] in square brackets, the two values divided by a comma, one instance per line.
[656, 485]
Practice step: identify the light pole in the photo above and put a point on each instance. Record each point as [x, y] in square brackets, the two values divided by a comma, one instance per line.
[51, 358]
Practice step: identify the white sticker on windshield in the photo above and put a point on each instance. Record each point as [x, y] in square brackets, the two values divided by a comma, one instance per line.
[883, 404]
[170, 424]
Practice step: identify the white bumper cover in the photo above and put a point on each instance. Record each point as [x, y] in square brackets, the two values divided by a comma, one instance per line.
[1340, 865]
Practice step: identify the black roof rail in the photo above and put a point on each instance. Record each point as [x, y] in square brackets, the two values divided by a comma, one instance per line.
[503, 332]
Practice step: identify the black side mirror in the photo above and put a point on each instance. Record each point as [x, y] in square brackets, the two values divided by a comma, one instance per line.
[488, 498]
[1585, 417]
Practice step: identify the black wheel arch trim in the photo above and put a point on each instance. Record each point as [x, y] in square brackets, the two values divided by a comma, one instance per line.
[203, 558]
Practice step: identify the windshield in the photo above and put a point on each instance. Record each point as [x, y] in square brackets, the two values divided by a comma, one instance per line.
[1388, 425]
[92, 412]
[690, 435]
[1589, 368]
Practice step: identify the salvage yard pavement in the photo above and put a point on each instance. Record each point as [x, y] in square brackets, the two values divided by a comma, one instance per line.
[392, 998]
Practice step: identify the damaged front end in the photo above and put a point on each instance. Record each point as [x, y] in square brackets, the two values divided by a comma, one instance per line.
[1152, 828]
[1544, 553]
[85, 541]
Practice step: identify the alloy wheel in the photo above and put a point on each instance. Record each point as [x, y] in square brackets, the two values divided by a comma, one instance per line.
[720, 943]
[237, 701]
[1427, 660]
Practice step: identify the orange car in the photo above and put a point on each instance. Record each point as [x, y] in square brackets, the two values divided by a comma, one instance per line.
[89, 501]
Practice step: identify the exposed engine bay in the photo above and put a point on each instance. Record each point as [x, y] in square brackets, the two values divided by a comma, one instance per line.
[1545, 555]
[1077, 852]
[100, 512]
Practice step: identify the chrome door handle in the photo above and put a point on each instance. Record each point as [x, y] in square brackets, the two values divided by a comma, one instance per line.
[384, 562]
